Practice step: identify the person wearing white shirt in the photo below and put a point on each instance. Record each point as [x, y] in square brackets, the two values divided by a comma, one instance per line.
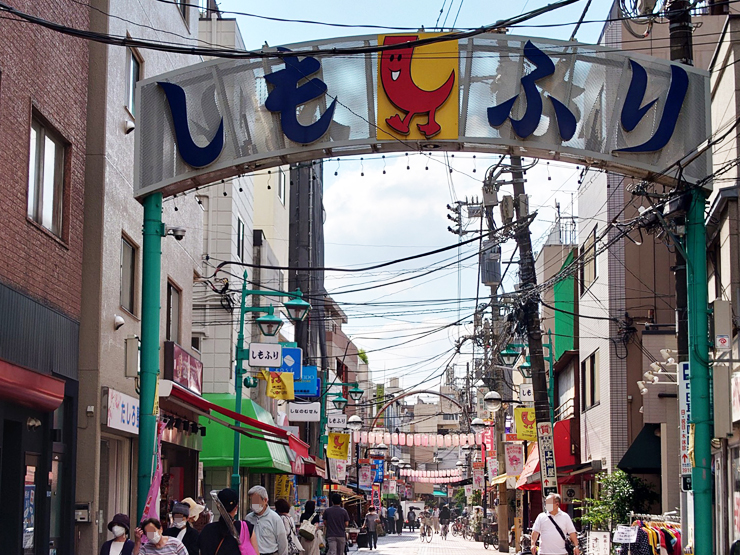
[545, 529]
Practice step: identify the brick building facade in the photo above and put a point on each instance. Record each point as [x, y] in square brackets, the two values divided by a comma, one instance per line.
[43, 99]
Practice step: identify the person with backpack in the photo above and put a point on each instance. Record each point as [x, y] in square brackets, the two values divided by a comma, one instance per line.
[371, 523]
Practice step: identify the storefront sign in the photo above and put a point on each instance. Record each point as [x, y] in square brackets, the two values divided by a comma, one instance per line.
[547, 458]
[265, 355]
[492, 463]
[625, 534]
[310, 384]
[478, 479]
[514, 458]
[304, 412]
[282, 486]
[684, 417]
[375, 496]
[378, 466]
[292, 362]
[598, 543]
[279, 384]
[336, 421]
[182, 368]
[123, 412]
[526, 393]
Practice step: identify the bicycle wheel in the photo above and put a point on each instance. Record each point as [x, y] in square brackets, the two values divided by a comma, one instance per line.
[430, 535]
[455, 530]
[494, 540]
[421, 534]
[485, 541]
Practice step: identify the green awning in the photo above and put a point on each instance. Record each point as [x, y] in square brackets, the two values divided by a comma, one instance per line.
[439, 493]
[256, 455]
[643, 456]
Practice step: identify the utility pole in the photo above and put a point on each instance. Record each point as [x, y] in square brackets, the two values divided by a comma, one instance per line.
[692, 318]
[531, 317]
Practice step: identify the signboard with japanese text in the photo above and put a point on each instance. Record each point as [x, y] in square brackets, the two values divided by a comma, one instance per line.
[492, 464]
[625, 534]
[182, 368]
[598, 543]
[123, 412]
[526, 392]
[684, 417]
[304, 412]
[310, 384]
[547, 458]
[375, 496]
[265, 355]
[336, 420]
[378, 466]
[590, 105]
[366, 476]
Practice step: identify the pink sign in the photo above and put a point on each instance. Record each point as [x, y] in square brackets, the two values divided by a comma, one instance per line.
[514, 458]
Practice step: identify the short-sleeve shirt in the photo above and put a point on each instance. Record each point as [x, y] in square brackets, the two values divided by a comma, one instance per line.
[551, 543]
[172, 547]
[335, 518]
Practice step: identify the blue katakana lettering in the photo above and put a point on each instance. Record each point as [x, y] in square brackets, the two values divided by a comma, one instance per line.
[632, 114]
[524, 127]
[286, 96]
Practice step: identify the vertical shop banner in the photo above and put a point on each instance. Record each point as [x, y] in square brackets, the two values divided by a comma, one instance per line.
[514, 458]
[492, 463]
[468, 490]
[366, 477]
[489, 440]
[478, 479]
[410, 492]
[338, 447]
[279, 385]
[282, 486]
[378, 470]
[525, 421]
[385, 487]
[151, 509]
[375, 496]
[338, 469]
[392, 487]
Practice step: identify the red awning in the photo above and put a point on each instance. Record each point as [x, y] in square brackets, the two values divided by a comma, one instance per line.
[30, 389]
[563, 458]
[191, 401]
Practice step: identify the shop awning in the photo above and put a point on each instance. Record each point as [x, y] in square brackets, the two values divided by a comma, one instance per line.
[30, 389]
[643, 456]
[501, 479]
[261, 454]
[529, 479]
[263, 427]
[439, 493]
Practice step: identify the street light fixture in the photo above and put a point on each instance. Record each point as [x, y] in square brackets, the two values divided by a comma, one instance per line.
[340, 402]
[509, 356]
[492, 401]
[394, 461]
[297, 308]
[354, 422]
[381, 447]
[356, 393]
[269, 324]
[459, 464]
[477, 425]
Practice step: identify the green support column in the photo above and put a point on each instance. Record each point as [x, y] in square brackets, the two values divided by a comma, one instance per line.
[239, 373]
[151, 282]
[696, 277]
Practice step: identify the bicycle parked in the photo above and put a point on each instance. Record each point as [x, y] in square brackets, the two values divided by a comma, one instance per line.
[489, 535]
[459, 525]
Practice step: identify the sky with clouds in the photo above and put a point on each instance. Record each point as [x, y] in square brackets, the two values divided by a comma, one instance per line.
[379, 210]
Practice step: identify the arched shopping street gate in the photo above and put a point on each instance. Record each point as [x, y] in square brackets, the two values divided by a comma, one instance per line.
[497, 93]
[493, 93]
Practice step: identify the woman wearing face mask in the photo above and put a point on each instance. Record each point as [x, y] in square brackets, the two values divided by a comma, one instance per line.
[157, 544]
[120, 544]
[182, 529]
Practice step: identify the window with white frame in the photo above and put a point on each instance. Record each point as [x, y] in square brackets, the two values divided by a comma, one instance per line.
[588, 261]
[128, 275]
[134, 74]
[590, 381]
[173, 313]
[46, 177]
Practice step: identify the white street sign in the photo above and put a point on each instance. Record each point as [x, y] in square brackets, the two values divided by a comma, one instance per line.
[526, 393]
[304, 412]
[547, 458]
[265, 355]
[336, 421]
[684, 416]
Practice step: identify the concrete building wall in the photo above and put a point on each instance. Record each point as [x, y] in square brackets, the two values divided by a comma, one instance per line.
[111, 213]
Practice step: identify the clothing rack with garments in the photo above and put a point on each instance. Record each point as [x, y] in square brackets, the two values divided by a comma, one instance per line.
[656, 535]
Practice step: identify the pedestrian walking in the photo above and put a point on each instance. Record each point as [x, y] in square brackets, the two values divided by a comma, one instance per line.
[384, 516]
[552, 528]
[411, 517]
[336, 520]
[271, 536]
[199, 515]
[182, 529]
[311, 547]
[435, 520]
[158, 543]
[120, 544]
[220, 537]
[371, 523]
[282, 508]
[391, 520]
[399, 520]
